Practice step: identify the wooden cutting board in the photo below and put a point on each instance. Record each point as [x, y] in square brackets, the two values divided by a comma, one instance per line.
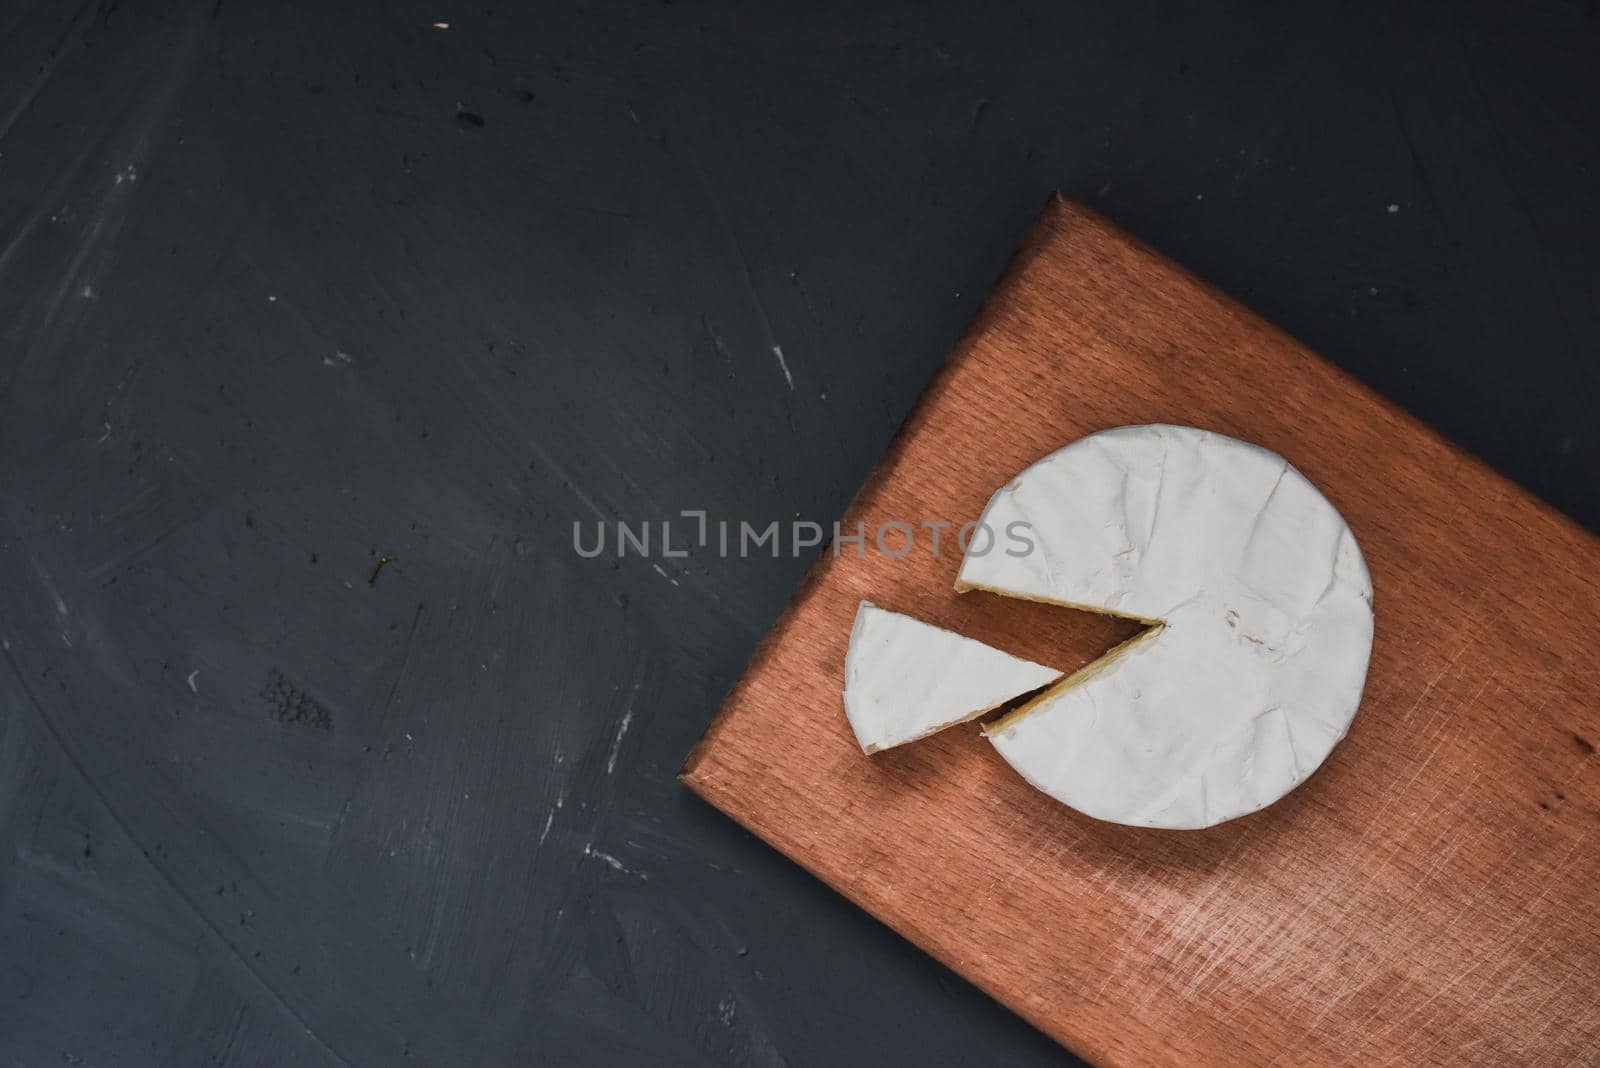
[1431, 895]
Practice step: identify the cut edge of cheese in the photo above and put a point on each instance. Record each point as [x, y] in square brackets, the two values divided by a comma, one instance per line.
[963, 586]
[1094, 667]
[960, 678]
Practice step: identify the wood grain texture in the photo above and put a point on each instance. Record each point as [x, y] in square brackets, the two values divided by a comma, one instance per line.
[1428, 896]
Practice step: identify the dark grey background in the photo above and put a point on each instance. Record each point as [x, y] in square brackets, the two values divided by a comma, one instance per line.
[287, 286]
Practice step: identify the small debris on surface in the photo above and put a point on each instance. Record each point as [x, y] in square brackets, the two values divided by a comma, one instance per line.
[383, 558]
[1393, 209]
[288, 703]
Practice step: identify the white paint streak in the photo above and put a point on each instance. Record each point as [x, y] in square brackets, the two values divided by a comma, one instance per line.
[777, 350]
[663, 573]
[610, 861]
[192, 687]
[622, 729]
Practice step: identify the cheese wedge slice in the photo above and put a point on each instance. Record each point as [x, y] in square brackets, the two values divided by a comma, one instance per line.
[1264, 606]
[905, 679]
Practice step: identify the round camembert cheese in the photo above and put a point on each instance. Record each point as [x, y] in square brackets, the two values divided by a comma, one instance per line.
[1258, 608]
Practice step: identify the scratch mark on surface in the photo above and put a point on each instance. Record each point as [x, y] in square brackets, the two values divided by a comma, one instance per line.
[190, 680]
[611, 862]
[627, 718]
[110, 206]
[489, 398]
[57, 51]
[663, 573]
[55, 195]
[745, 274]
[405, 662]
[233, 952]
[622, 729]
[1416, 159]
[1474, 633]
[720, 345]
[550, 817]
[1525, 921]
[1359, 898]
